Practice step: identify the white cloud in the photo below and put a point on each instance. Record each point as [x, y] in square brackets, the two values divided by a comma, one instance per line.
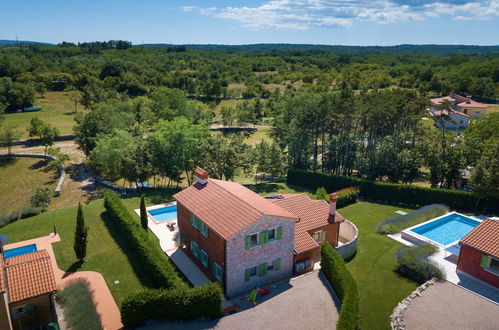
[304, 14]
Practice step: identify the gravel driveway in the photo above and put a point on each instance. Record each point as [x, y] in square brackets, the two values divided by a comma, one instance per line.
[447, 306]
[303, 303]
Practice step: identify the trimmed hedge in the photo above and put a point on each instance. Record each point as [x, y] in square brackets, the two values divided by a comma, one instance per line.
[347, 196]
[392, 192]
[25, 213]
[189, 303]
[337, 274]
[413, 261]
[425, 213]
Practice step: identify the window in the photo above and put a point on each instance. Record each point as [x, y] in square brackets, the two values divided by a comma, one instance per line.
[249, 273]
[270, 266]
[319, 236]
[494, 265]
[203, 228]
[18, 311]
[195, 249]
[204, 258]
[271, 234]
[194, 221]
[253, 240]
[217, 271]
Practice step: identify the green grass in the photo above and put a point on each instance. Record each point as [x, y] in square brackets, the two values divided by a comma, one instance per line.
[79, 310]
[57, 110]
[381, 288]
[19, 177]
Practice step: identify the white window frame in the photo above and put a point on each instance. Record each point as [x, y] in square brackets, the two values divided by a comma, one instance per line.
[317, 233]
[203, 228]
[16, 314]
[275, 234]
[257, 240]
[218, 272]
[203, 253]
[268, 265]
[489, 261]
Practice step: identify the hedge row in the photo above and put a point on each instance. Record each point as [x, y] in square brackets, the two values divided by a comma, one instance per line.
[333, 266]
[393, 193]
[425, 213]
[414, 262]
[14, 216]
[189, 303]
[347, 196]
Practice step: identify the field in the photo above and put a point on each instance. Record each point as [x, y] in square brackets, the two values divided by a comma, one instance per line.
[381, 288]
[19, 179]
[57, 109]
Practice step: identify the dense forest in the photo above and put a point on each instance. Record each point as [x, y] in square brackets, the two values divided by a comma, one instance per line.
[346, 110]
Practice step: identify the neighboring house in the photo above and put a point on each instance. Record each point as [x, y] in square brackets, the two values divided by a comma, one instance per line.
[243, 240]
[456, 119]
[462, 104]
[479, 256]
[27, 286]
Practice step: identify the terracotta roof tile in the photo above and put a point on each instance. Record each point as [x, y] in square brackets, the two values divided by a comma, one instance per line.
[484, 237]
[313, 214]
[29, 275]
[228, 207]
[471, 104]
[3, 286]
[449, 112]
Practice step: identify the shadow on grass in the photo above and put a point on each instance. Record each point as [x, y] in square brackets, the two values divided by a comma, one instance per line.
[155, 196]
[38, 165]
[73, 268]
[6, 161]
[134, 260]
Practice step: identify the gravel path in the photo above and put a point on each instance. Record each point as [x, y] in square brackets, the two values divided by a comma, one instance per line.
[302, 303]
[447, 306]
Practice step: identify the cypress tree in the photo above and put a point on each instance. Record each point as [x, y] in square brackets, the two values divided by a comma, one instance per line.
[81, 233]
[143, 213]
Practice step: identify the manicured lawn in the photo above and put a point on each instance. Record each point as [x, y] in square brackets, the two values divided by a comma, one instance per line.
[19, 177]
[381, 288]
[57, 109]
[79, 310]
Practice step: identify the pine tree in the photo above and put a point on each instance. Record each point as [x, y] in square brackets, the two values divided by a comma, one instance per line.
[143, 213]
[81, 233]
[321, 194]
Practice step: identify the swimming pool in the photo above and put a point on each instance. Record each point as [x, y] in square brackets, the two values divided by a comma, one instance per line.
[443, 230]
[164, 213]
[19, 251]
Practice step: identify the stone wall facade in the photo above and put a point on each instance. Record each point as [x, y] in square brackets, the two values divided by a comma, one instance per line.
[238, 258]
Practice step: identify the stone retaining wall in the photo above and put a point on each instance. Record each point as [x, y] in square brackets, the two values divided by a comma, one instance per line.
[57, 191]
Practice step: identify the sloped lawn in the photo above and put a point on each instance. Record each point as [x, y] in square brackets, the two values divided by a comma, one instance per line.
[381, 288]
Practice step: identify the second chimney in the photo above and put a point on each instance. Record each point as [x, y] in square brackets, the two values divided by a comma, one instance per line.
[332, 204]
[201, 176]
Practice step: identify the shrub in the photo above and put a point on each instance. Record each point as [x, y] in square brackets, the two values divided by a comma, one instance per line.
[321, 193]
[414, 262]
[14, 216]
[41, 198]
[347, 196]
[392, 192]
[175, 299]
[79, 309]
[334, 268]
[395, 225]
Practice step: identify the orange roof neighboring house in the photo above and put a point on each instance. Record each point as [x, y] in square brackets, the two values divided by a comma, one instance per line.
[471, 104]
[484, 238]
[458, 100]
[28, 276]
[3, 285]
[228, 207]
[438, 100]
[313, 215]
[449, 112]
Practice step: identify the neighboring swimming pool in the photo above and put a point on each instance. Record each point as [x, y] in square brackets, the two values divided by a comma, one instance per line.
[443, 230]
[19, 251]
[164, 213]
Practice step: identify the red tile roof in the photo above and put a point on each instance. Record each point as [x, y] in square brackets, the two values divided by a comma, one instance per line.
[450, 112]
[438, 100]
[313, 215]
[228, 207]
[471, 104]
[3, 285]
[484, 238]
[29, 275]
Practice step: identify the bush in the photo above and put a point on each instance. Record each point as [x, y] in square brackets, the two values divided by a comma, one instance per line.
[79, 309]
[395, 225]
[321, 193]
[414, 262]
[41, 198]
[175, 296]
[347, 196]
[334, 268]
[25, 213]
[392, 192]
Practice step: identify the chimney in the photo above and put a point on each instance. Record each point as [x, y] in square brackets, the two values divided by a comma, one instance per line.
[201, 176]
[332, 204]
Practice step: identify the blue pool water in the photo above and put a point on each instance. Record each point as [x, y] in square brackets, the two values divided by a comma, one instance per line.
[448, 229]
[164, 213]
[19, 251]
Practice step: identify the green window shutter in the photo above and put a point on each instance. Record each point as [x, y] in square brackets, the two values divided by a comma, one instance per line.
[192, 247]
[197, 222]
[261, 238]
[277, 264]
[323, 235]
[247, 275]
[262, 269]
[193, 220]
[248, 242]
[484, 261]
[279, 232]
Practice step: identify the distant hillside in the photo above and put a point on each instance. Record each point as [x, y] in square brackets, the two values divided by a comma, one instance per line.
[13, 42]
[353, 50]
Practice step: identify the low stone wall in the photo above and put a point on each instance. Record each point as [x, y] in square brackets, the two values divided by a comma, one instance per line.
[58, 188]
[397, 317]
[350, 234]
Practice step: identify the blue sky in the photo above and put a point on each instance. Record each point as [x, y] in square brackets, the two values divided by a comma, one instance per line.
[345, 22]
